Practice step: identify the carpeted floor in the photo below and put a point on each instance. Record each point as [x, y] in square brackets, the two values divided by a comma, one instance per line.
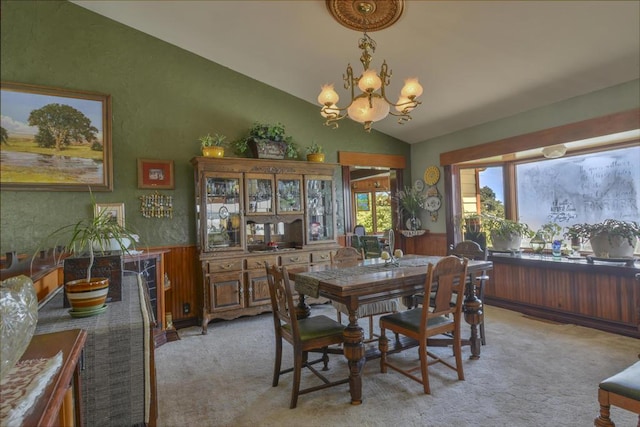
[530, 373]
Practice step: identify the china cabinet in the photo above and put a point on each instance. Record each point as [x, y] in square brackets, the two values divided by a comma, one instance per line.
[252, 212]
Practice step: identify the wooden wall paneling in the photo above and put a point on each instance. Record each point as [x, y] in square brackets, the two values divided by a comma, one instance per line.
[183, 269]
[427, 244]
[580, 294]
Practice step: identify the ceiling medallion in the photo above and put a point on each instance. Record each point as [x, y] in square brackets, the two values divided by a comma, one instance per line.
[380, 14]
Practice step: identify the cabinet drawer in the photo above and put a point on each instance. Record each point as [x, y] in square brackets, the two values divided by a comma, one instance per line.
[255, 263]
[225, 265]
[320, 257]
[292, 259]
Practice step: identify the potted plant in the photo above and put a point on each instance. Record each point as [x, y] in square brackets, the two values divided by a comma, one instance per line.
[100, 234]
[315, 152]
[505, 234]
[610, 238]
[412, 201]
[472, 229]
[267, 141]
[212, 146]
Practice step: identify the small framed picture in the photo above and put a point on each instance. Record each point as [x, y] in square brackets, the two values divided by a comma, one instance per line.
[155, 174]
[114, 210]
[362, 202]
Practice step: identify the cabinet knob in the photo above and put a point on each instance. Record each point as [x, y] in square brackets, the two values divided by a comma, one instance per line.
[226, 266]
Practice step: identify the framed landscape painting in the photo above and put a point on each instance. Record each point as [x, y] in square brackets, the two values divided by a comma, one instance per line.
[54, 139]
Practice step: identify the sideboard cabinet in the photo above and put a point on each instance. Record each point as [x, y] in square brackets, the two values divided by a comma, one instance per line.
[251, 212]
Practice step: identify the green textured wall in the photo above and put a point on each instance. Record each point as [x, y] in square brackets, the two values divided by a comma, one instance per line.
[614, 99]
[163, 99]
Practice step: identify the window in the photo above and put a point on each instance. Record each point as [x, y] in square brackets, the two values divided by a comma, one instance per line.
[373, 210]
[586, 188]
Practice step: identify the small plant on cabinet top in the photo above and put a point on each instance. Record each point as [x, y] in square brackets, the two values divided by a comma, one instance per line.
[314, 148]
[212, 141]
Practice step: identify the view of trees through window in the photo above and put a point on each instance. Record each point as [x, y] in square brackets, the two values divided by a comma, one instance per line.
[584, 188]
[377, 218]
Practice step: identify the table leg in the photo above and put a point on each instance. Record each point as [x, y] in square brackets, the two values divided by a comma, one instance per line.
[473, 315]
[354, 352]
[302, 310]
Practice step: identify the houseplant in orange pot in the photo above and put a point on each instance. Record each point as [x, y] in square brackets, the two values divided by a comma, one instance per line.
[213, 146]
[88, 237]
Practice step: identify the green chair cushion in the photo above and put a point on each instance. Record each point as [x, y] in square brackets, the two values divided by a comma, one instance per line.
[318, 327]
[625, 383]
[410, 319]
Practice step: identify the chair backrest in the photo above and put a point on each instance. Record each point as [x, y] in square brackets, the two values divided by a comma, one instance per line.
[355, 242]
[372, 246]
[469, 249]
[284, 310]
[448, 275]
[347, 254]
[359, 230]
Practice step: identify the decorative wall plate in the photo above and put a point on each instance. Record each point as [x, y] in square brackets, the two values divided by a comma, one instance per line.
[432, 175]
[433, 203]
[419, 184]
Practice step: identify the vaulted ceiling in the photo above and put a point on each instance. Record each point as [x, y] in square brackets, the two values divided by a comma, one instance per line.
[477, 60]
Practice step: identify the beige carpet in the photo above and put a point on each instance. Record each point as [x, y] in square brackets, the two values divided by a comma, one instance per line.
[531, 373]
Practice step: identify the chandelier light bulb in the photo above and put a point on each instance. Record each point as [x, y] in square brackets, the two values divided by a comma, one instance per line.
[412, 89]
[328, 96]
[369, 81]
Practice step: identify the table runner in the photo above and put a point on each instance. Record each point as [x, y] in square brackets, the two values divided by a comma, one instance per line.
[115, 354]
[308, 282]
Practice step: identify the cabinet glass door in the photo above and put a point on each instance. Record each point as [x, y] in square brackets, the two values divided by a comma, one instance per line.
[223, 210]
[260, 194]
[289, 194]
[320, 218]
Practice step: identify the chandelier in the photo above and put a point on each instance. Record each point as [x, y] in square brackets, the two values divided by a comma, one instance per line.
[370, 104]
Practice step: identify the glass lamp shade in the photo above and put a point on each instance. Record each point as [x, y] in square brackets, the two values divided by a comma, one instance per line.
[369, 81]
[361, 112]
[411, 88]
[328, 96]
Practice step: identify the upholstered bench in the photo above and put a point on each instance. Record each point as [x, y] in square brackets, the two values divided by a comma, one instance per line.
[622, 390]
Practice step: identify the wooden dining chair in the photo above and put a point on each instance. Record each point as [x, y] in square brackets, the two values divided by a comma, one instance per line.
[351, 256]
[372, 246]
[313, 334]
[470, 250]
[448, 276]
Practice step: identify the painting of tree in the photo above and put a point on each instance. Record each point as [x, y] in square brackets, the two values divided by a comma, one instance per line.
[55, 139]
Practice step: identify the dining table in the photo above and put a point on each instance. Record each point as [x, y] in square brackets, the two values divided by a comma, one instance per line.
[372, 280]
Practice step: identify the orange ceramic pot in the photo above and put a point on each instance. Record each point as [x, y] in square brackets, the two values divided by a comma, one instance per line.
[87, 296]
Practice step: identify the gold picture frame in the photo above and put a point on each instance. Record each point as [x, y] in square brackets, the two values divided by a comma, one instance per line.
[58, 139]
[116, 210]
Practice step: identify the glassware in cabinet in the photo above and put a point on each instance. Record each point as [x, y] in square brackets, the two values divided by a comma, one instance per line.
[320, 217]
[222, 212]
